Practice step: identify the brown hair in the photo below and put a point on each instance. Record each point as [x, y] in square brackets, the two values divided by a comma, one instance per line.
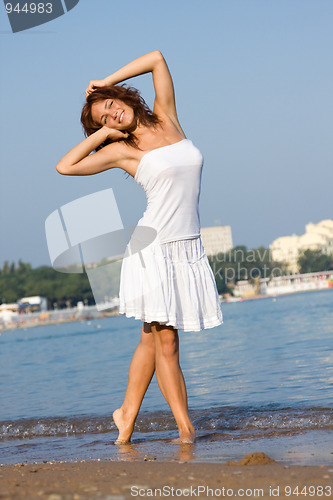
[131, 97]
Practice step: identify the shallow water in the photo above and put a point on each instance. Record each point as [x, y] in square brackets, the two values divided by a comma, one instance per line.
[263, 379]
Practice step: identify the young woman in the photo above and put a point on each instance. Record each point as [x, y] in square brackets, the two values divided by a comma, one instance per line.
[169, 284]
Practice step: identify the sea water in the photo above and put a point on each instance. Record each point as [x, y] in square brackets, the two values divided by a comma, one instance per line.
[262, 381]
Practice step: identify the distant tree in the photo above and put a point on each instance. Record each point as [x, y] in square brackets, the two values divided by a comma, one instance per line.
[314, 261]
[241, 263]
[23, 268]
[5, 269]
[21, 281]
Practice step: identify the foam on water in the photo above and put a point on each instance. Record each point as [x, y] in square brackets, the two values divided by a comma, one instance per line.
[230, 420]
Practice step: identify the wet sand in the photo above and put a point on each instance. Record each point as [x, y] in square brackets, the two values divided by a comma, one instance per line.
[254, 476]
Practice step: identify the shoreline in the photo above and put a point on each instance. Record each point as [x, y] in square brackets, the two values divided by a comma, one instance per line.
[74, 317]
[254, 476]
[43, 322]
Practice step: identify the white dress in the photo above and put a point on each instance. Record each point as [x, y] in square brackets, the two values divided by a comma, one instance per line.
[165, 274]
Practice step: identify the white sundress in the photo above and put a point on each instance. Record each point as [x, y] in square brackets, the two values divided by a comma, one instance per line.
[165, 274]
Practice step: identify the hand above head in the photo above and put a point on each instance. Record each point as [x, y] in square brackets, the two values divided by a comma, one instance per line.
[93, 85]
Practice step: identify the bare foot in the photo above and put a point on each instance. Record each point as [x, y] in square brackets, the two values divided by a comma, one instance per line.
[125, 427]
[186, 437]
[183, 440]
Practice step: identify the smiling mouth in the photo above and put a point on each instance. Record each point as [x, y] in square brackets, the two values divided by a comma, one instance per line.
[121, 117]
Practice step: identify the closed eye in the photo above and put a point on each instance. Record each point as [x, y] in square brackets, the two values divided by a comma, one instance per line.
[105, 117]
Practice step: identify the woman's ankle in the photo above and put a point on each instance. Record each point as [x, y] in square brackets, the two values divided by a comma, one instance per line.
[128, 415]
[186, 429]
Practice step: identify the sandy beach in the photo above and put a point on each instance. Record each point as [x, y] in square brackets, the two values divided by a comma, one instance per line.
[254, 476]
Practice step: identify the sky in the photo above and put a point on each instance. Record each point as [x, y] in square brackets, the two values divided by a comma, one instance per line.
[253, 81]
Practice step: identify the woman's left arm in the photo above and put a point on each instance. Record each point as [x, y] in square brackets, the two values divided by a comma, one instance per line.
[154, 63]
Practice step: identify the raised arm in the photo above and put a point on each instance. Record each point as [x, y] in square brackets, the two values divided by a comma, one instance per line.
[79, 161]
[154, 63]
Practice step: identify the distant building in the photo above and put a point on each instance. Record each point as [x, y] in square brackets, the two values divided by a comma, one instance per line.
[296, 283]
[8, 312]
[216, 239]
[13, 307]
[245, 289]
[317, 237]
[32, 304]
[280, 285]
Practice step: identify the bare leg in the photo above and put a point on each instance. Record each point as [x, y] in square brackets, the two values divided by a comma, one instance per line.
[171, 380]
[140, 373]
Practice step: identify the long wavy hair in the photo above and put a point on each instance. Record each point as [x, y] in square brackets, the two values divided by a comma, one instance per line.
[131, 97]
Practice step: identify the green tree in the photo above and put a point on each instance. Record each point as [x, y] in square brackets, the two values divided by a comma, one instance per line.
[241, 263]
[21, 281]
[314, 261]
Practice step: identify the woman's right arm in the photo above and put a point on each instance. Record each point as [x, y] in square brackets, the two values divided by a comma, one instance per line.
[143, 64]
[154, 63]
[80, 161]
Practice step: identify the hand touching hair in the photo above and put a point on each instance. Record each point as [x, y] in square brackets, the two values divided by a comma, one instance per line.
[128, 95]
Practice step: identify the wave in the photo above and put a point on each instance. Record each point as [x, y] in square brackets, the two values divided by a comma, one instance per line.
[229, 421]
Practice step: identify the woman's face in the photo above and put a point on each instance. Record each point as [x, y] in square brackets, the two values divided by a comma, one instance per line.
[113, 114]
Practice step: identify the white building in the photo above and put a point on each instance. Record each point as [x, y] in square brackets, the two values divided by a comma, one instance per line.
[32, 304]
[317, 237]
[216, 239]
[296, 283]
[245, 289]
[281, 285]
[8, 312]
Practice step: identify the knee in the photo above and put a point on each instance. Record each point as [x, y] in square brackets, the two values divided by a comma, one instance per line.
[167, 346]
[147, 339]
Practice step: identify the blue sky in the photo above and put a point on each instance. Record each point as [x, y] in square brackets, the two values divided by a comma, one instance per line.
[253, 83]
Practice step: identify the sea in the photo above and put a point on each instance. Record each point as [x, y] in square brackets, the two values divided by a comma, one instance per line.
[260, 382]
